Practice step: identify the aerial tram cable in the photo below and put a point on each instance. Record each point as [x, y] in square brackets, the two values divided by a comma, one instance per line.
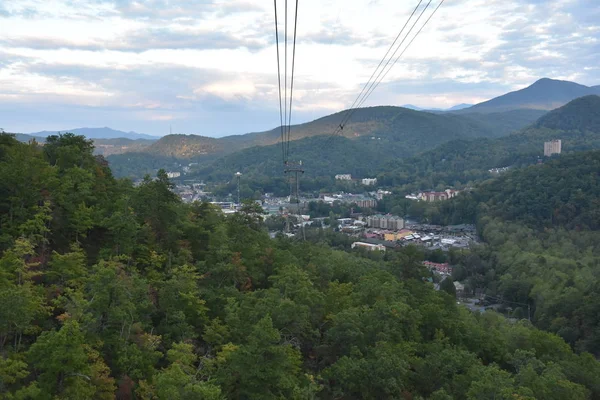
[383, 59]
[285, 81]
[373, 85]
[289, 122]
[411, 43]
[279, 82]
[285, 102]
[285, 108]
[377, 80]
[401, 53]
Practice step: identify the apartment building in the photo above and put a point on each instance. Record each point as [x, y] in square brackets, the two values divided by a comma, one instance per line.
[552, 147]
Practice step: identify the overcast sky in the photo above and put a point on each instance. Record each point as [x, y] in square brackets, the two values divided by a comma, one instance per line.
[209, 66]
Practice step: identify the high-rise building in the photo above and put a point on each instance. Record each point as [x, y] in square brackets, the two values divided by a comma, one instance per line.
[390, 222]
[369, 181]
[552, 147]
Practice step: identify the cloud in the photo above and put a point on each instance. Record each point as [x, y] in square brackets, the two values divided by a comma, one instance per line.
[170, 10]
[144, 40]
[209, 66]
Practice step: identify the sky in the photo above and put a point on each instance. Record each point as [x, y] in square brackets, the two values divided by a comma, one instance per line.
[209, 67]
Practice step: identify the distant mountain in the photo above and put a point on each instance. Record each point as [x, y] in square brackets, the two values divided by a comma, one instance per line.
[582, 114]
[100, 133]
[545, 94]
[22, 137]
[412, 128]
[454, 108]
[104, 147]
[406, 131]
[458, 162]
[186, 146]
[108, 147]
[391, 132]
[412, 107]
[459, 107]
[506, 122]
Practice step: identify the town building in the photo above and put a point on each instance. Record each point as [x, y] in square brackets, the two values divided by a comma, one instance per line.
[437, 196]
[368, 246]
[345, 221]
[173, 174]
[381, 193]
[351, 229]
[224, 205]
[460, 289]
[360, 200]
[498, 170]
[552, 147]
[365, 202]
[390, 222]
[369, 181]
[343, 177]
[443, 268]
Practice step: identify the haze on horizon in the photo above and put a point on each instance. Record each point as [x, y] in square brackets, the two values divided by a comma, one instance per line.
[209, 67]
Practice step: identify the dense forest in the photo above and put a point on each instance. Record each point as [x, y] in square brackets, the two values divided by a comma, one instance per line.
[114, 291]
[375, 135]
[460, 163]
[541, 226]
[406, 162]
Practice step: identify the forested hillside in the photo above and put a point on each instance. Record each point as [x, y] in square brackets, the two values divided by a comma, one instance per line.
[185, 146]
[542, 228]
[507, 122]
[399, 131]
[110, 291]
[582, 114]
[544, 94]
[459, 162]
[104, 147]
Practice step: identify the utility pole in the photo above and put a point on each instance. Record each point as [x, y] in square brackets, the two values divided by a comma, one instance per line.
[238, 175]
[297, 169]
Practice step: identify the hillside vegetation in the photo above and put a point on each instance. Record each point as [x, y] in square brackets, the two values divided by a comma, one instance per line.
[401, 133]
[542, 224]
[582, 114]
[100, 133]
[544, 94]
[185, 146]
[391, 122]
[103, 147]
[113, 291]
[459, 162]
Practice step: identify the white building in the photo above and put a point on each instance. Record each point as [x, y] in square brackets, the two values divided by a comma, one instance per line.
[380, 193]
[552, 147]
[436, 196]
[343, 177]
[173, 174]
[385, 222]
[368, 246]
[369, 181]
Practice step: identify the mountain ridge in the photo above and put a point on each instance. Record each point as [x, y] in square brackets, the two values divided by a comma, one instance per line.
[469, 158]
[389, 121]
[99, 133]
[458, 162]
[543, 94]
[453, 108]
[582, 114]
